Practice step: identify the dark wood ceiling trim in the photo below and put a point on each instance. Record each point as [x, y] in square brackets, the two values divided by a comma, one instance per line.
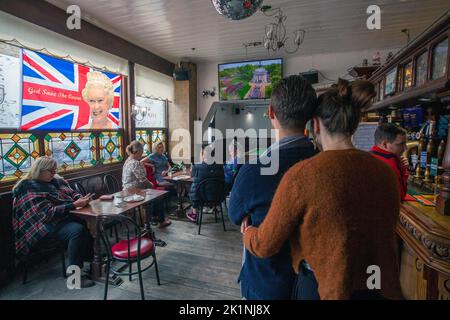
[53, 18]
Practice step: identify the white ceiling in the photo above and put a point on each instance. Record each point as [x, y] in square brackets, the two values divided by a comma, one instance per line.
[171, 28]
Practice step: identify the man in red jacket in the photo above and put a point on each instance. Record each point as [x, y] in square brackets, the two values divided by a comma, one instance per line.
[390, 143]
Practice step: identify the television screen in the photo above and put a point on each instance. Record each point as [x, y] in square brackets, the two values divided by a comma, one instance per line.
[249, 79]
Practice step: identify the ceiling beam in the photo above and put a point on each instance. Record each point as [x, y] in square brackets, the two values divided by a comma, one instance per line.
[53, 18]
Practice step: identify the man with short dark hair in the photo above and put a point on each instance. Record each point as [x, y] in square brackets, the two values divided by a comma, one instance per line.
[292, 103]
[390, 144]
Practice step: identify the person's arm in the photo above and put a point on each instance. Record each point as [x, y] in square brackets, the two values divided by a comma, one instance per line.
[73, 194]
[39, 204]
[239, 198]
[164, 173]
[286, 210]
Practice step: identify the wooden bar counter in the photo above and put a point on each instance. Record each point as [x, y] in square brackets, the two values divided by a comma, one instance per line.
[425, 252]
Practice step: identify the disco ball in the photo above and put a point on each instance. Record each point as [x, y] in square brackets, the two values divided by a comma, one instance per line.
[237, 9]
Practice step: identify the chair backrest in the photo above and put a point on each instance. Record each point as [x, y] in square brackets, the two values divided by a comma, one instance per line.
[127, 224]
[111, 183]
[80, 189]
[211, 191]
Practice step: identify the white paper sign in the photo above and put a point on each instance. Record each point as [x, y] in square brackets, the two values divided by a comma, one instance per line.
[10, 85]
[155, 113]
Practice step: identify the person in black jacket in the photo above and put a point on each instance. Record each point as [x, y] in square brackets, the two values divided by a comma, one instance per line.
[199, 173]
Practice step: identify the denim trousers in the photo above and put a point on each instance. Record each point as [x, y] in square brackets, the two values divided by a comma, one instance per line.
[79, 242]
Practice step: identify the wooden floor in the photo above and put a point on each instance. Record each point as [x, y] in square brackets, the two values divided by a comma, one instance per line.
[191, 267]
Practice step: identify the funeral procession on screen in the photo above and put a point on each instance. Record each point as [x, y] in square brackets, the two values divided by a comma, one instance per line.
[249, 80]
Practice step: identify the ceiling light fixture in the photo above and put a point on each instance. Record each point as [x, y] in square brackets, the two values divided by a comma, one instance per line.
[275, 34]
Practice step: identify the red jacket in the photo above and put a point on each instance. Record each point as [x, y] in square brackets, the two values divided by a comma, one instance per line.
[151, 178]
[394, 162]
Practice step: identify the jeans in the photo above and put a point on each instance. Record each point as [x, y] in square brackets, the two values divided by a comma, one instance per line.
[79, 242]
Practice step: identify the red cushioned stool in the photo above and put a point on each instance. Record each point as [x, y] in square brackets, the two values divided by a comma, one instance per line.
[133, 249]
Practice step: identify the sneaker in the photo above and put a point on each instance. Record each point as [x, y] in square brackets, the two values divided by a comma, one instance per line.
[165, 223]
[86, 282]
[192, 216]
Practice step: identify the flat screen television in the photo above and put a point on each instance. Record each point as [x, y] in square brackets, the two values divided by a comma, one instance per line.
[249, 79]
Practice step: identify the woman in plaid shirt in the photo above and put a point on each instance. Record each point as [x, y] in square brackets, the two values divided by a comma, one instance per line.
[41, 205]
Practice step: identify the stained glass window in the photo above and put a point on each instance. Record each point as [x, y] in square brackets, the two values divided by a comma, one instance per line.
[407, 76]
[18, 151]
[439, 60]
[71, 150]
[158, 136]
[421, 69]
[143, 136]
[111, 147]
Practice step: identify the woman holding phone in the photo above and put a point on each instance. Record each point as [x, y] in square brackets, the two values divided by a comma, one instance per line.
[42, 201]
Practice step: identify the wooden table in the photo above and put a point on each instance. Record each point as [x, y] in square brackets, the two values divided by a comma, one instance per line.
[180, 185]
[98, 207]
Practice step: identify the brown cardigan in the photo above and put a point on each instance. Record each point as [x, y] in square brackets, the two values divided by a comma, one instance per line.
[339, 210]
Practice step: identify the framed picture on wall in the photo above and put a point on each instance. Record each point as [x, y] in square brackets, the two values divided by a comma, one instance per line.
[391, 82]
[10, 86]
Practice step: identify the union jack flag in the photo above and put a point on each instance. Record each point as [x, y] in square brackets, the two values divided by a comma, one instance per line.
[52, 99]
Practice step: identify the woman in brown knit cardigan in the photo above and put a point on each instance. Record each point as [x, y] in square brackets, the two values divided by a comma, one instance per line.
[338, 209]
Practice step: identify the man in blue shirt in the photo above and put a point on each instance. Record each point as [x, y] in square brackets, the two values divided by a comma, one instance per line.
[291, 107]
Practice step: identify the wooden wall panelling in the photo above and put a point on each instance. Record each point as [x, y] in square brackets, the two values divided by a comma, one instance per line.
[444, 287]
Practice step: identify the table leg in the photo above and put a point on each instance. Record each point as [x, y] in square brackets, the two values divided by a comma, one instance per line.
[96, 265]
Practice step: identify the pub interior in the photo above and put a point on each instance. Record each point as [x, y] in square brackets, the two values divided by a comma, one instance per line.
[128, 146]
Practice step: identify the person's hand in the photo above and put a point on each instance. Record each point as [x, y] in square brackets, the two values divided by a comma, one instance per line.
[164, 173]
[404, 161]
[83, 201]
[245, 224]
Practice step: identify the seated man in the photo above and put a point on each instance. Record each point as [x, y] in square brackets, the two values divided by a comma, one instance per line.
[41, 206]
[390, 143]
[199, 173]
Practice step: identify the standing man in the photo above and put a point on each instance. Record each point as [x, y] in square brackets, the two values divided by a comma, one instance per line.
[390, 143]
[292, 103]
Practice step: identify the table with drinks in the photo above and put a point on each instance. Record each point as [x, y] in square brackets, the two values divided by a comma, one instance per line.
[123, 202]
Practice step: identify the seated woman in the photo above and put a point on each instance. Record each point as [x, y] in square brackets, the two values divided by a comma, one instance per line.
[232, 166]
[42, 201]
[199, 173]
[135, 176]
[160, 163]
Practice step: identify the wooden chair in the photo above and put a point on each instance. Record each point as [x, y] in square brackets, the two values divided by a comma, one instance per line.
[210, 193]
